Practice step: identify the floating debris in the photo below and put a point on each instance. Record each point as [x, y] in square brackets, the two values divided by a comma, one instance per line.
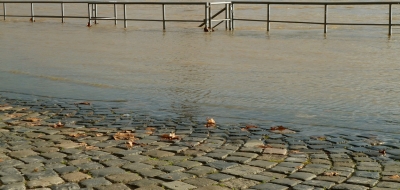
[171, 136]
[331, 173]
[210, 122]
[249, 127]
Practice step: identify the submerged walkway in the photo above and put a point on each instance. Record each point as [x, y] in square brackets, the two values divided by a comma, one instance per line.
[60, 145]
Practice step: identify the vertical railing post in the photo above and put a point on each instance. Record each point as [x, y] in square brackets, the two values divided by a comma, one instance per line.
[62, 12]
[232, 16]
[206, 15]
[226, 16]
[209, 17]
[32, 13]
[163, 15]
[268, 13]
[4, 10]
[125, 22]
[325, 18]
[115, 14]
[89, 15]
[390, 19]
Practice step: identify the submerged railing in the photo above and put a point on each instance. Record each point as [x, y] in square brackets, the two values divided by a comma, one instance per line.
[208, 19]
[324, 22]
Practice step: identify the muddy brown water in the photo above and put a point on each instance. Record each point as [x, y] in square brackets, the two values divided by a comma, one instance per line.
[293, 75]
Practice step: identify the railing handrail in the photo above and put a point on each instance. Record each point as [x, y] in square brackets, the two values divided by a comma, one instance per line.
[208, 18]
[315, 3]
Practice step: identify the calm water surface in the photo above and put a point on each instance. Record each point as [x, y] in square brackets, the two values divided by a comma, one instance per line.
[293, 75]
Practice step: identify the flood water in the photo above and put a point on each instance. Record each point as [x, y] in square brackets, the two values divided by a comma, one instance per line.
[293, 75]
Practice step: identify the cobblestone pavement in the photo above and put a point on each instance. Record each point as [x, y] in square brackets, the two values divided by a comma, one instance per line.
[48, 145]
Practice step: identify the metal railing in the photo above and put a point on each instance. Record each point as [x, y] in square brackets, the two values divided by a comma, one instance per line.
[209, 18]
[32, 15]
[324, 22]
[93, 13]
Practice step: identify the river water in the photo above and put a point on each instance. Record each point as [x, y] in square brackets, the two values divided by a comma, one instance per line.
[293, 75]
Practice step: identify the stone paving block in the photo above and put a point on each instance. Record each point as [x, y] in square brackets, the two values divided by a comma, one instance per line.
[253, 143]
[238, 159]
[257, 177]
[252, 149]
[158, 153]
[239, 183]
[150, 187]
[89, 166]
[175, 159]
[262, 164]
[9, 179]
[175, 176]
[75, 176]
[275, 151]
[52, 155]
[106, 171]
[362, 181]
[302, 176]
[321, 161]
[243, 170]
[22, 153]
[150, 172]
[175, 149]
[337, 150]
[366, 174]
[336, 179]
[135, 158]
[14, 186]
[296, 159]
[95, 182]
[220, 177]
[290, 164]
[303, 187]
[170, 169]
[218, 155]
[146, 182]
[286, 181]
[123, 177]
[66, 186]
[283, 170]
[318, 183]
[66, 169]
[386, 184]
[44, 182]
[201, 170]
[115, 162]
[79, 161]
[221, 165]
[367, 168]
[203, 159]
[40, 174]
[178, 185]
[194, 153]
[344, 164]
[345, 186]
[128, 152]
[119, 186]
[363, 159]
[188, 164]
[269, 186]
[200, 182]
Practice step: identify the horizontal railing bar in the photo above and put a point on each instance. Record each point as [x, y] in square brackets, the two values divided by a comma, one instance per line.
[111, 2]
[304, 22]
[202, 3]
[219, 3]
[315, 3]
[151, 3]
[44, 16]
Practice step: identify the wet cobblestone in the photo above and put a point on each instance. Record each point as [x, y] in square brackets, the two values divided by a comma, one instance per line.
[64, 145]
